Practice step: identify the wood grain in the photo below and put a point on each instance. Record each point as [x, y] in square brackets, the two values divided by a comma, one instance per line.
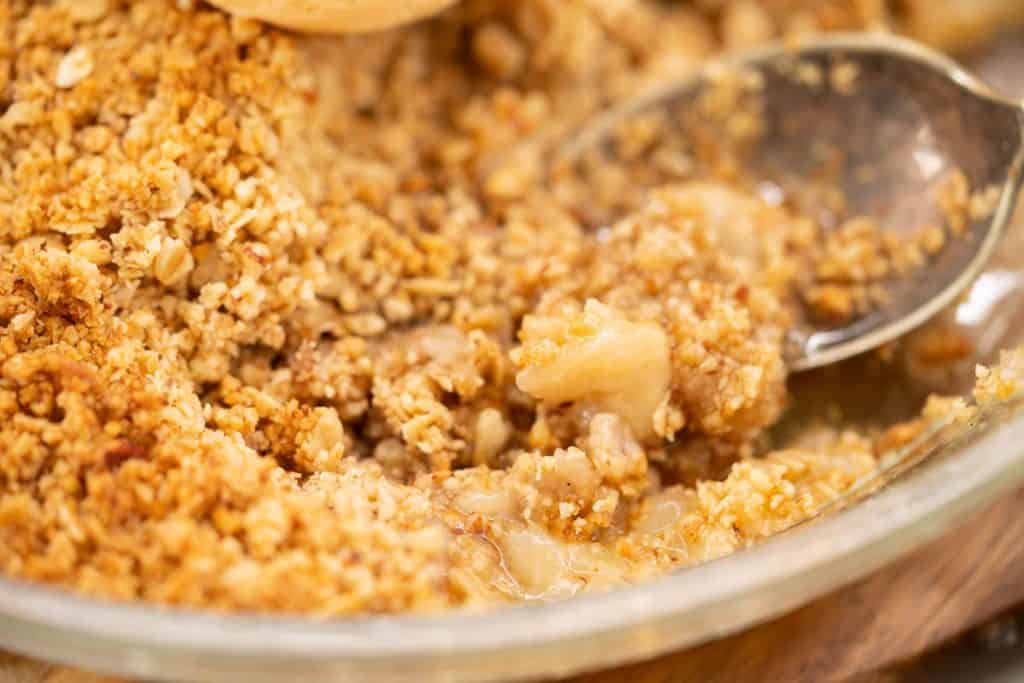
[902, 611]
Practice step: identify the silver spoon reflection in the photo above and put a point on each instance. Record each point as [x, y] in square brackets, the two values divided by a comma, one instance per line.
[909, 116]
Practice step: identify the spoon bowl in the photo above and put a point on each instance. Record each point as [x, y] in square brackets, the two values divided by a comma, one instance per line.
[860, 125]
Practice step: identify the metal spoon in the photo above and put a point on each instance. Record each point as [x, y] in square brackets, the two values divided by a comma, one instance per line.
[909, 117]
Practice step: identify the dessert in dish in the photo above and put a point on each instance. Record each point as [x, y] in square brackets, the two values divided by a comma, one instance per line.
[284, 326]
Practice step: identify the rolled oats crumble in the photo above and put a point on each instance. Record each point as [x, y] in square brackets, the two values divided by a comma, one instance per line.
[278, 333]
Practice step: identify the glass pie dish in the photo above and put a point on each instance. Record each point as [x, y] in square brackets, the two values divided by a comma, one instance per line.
[919, 492]
[929, 487]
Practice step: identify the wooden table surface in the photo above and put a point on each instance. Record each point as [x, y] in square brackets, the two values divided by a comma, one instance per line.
[898, 613]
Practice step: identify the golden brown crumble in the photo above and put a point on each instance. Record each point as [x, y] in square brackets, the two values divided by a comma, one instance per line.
[282, 328]
[854, 264]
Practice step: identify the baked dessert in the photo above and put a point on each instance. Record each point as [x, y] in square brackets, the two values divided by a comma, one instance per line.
[284, 327]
